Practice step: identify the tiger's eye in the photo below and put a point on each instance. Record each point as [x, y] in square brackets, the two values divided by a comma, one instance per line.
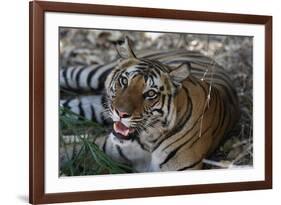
[151, 94]
[123, 81]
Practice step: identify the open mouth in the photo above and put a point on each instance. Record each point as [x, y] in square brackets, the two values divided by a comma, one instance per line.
[121, 131]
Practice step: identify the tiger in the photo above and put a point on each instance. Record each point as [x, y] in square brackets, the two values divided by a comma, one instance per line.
[168, 110]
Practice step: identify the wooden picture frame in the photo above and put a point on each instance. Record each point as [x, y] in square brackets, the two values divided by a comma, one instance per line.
[37, 10]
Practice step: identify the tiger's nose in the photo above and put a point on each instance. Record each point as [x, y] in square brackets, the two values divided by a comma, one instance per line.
[122, 114]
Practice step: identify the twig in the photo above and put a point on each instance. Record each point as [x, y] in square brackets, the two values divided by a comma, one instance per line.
[242, 154]
[224, 165]
[241, 143]
[218, 164]
[213, 64]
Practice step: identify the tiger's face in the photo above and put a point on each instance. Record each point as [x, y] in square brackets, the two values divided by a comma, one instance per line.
[141, 97]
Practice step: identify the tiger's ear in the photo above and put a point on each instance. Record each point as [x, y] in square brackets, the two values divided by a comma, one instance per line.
[124, 49]
[180, 73]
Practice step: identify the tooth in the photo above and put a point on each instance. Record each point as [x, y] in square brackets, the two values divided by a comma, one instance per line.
[126, 132]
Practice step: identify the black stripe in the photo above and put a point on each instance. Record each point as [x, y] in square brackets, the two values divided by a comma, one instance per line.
[64, 74]
[104, 120]
[120, 152]
[158, 110]
[102, 79]
[140, 67]
[182, 121]
[163, 102]
[228, 121]
[142, 64]
[190, 166]
[206, 92]
[227, 86]
[197, 121]
[192, 81]
[180, 126]
[145, 78]
[90, 76]
[66, 103]
[93, 114]
[199, 137]
[115, 76]
[172, 153]
[219, 105]
[155, 64]
[157, 71]
[157, 55]
[153, 82]
[190, 56]
[169, 102]
[140, 143]
[104, 145]
[72, 72]
[103, 100]
[153, 141]
[206, 64]
[154, 86]
[199, 118]
[229, 96]
[152, 72]
[218, 72]
[135, 74]
[168, 109]
[215, 75]
[81, 110]
[164, 54]
[160, 67]
[221, 116]
[154, 104]
[77, 77]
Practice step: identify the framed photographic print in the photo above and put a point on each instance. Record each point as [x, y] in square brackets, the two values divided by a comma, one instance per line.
[135, 102]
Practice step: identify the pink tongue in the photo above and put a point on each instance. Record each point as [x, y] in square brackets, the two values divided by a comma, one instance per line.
[121, 129]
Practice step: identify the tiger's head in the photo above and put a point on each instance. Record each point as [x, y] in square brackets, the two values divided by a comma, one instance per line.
[141, 94]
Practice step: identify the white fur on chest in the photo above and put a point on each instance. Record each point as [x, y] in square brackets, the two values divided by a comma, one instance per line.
[139, 158]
